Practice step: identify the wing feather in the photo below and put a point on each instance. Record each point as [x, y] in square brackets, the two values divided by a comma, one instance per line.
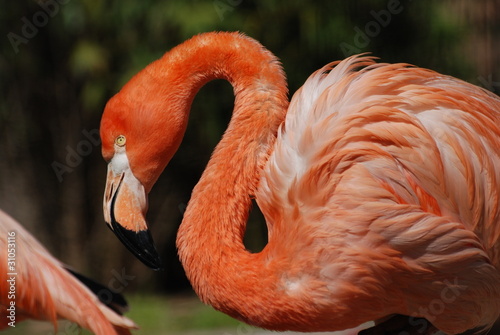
[45, 290]
[396, 170]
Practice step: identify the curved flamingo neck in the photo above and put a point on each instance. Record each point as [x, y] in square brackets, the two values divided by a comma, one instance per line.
[210, 239]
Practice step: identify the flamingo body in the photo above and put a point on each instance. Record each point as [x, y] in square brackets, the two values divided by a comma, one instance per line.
[396, 169]
[44, 290]
[379, 184]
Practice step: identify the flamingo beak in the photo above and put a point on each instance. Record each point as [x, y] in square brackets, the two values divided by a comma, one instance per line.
[125, 206]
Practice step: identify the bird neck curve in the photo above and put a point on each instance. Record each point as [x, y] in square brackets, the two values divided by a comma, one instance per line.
[210, 239]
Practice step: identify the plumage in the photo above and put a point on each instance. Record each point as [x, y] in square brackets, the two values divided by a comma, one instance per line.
[41, 288]
[379, 184]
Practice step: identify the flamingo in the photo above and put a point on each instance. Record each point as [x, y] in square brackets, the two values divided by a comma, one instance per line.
[379, 184]
[33, 284]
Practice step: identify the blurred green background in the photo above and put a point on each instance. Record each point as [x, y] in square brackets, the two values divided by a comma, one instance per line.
[61, 60]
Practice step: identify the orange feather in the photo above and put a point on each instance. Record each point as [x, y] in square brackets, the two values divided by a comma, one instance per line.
[379, 184]
[41, 288]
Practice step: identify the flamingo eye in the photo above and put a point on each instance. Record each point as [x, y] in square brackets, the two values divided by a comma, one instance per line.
[120, 140]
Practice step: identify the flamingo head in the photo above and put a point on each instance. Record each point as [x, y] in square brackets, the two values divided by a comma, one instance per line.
[140, 132]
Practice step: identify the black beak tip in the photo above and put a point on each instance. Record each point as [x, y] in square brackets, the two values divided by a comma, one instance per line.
[140, 244]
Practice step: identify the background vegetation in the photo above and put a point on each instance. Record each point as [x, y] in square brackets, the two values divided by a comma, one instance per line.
[61, 60]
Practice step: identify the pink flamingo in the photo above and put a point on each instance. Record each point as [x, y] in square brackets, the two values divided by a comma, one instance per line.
[35, 285]
[379, 184]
